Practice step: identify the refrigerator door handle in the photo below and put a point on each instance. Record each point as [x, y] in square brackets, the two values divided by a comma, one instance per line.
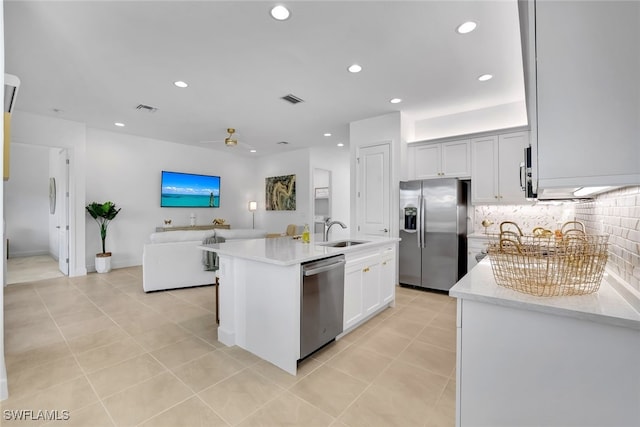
[419, 222]
[423, 226]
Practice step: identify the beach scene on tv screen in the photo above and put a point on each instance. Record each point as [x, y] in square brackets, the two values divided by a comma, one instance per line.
[190, 191]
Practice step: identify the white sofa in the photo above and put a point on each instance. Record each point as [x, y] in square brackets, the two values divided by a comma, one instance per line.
[171, 259]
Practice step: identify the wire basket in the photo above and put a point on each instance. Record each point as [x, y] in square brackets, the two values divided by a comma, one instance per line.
[568, 262]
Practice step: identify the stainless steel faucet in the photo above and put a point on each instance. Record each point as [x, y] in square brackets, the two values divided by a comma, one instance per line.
[327, 226]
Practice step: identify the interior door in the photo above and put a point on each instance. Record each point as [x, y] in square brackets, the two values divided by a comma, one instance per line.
[62, 211]
[373, 191]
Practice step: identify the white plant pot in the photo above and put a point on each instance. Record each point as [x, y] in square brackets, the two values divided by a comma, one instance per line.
[103, 262]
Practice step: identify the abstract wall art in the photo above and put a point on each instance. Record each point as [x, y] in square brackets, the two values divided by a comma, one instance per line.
[281, 193]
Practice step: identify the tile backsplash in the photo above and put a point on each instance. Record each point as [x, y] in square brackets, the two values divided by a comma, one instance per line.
[527, 217]
[617, 213]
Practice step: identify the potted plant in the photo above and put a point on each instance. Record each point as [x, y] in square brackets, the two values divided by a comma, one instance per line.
[103, 213]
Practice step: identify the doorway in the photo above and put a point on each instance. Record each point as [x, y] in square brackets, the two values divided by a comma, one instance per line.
[36, 210]
[321, 199]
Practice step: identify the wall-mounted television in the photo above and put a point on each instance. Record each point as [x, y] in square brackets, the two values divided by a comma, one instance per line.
[187, 190]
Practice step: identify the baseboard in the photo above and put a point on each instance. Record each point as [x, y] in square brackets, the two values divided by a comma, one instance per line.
[14, 254]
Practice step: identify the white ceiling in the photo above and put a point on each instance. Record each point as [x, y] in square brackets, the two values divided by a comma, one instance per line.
[96, 61]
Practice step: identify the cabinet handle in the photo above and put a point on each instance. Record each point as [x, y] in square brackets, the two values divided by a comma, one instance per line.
[365, 270]
[384, 263]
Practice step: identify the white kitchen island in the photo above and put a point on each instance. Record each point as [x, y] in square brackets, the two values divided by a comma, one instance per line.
[524, 360]
[260, 282]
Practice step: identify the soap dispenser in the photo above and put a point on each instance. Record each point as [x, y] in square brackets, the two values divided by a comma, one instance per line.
[306, 235]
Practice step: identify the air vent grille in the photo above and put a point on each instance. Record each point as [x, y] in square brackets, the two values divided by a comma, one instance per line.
[292, 99]
[147, 108]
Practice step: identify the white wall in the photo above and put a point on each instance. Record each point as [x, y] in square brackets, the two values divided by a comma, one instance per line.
[3, 371]
[26, 197]
[125, 169]
[290, 163]
[497, 117]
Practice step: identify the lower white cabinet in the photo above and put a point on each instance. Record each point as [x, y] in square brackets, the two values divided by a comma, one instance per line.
[369, 283]
[475, 244]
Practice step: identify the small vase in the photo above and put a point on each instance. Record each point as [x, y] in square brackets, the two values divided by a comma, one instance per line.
[103, 262]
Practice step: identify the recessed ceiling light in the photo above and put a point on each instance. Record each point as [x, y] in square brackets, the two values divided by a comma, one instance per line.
[180, 83]
[252, 151]
[395, 100]
[485, 77]
[340, 144]
[120, 125]
[327, 134]
[280, 13]
[355, 68]
[466, 27]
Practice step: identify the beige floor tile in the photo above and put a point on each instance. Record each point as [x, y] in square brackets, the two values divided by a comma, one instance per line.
[238, 396]
[76, 330]
[100, 338]
[445, 338]
[146, 399]
[444, 413]
[200, 324]
[241, 355]
[379, 406]
[16, 362]
[208, 370]
[444, 321]
[69, 318]
[183, 311]
[405, 380]
[93, 415]
[283, 378]
[288, 410]
[356, 334]
[403, 299]
[34, 380]
[430, 357]
[108, 355]
[182, 352]
[403, 327]
[384, 342]
[162, 336]
[52, 286]
[190, 413]
[29, 337]
[117, 377]
[330, 350]
[137, 324]
[329, 389]
[423, 315]
[34, 315]
[19, 292]
[360, 362]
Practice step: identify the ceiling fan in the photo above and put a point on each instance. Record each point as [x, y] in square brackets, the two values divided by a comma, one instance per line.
[230, 141]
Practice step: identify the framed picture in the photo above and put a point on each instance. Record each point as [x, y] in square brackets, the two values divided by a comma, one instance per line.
[322, 192]
[280, 193]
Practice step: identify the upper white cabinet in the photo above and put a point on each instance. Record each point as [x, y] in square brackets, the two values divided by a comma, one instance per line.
[439, 160]
[585, 89]
[495, 177]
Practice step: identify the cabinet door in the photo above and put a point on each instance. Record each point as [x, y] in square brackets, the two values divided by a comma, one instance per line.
[353, 308]
[511, 154]
[587, 85]
[455, 159]
[371, 286]
[484, 169]
[427, 160]
[388, 275]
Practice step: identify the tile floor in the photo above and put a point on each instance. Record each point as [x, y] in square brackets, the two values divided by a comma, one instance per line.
[38, 267]
[111, 355]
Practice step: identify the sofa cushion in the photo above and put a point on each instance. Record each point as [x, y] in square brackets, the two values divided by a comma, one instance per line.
[241, 233]
[180, 236]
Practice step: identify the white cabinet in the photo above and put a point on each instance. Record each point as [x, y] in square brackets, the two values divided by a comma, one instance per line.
[369, 284]
[439, 160]
[495, 176]
[588, 91]
[388, 275]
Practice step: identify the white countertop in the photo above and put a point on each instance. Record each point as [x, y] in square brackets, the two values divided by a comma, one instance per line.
[614, 303]
[288, 251]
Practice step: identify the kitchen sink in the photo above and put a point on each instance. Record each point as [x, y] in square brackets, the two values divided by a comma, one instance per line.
[343, 243]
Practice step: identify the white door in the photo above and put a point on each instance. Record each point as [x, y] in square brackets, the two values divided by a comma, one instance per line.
[373, 190]
[62, 212]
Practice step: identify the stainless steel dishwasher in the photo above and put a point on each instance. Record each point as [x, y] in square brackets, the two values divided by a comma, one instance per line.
[321, 303]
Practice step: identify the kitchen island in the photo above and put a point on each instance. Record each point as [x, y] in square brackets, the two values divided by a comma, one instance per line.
[552, 361]
[260, 290]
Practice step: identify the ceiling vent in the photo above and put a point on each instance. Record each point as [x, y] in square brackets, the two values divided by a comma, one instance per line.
[292, 99]
[147, 108]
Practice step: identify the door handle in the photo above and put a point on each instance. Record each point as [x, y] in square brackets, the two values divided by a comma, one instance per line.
[57, 226]
[385, 230]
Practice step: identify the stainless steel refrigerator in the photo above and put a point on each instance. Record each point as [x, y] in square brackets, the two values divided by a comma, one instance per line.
[433, 228]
